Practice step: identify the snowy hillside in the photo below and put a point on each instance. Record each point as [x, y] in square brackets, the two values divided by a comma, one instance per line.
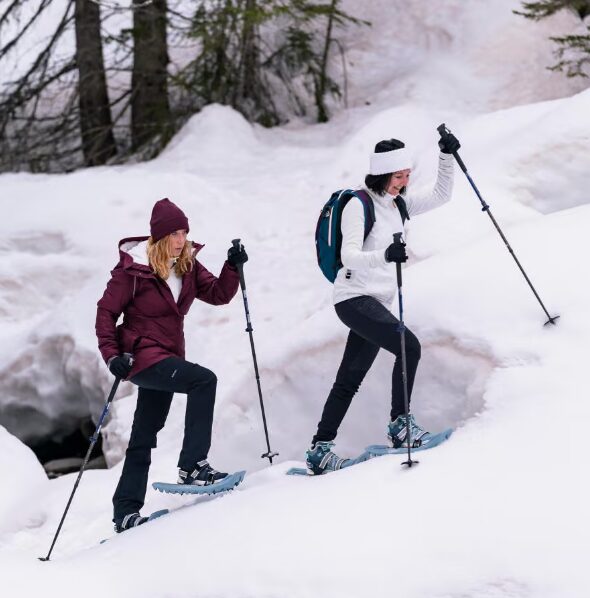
[498, 511]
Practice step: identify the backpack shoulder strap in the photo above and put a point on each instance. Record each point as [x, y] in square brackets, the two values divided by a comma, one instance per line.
[369, 208]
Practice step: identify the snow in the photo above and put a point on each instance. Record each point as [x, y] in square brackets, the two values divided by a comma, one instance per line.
[27, 478]
[499, 511]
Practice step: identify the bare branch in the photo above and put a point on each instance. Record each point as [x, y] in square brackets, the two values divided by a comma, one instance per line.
[5, 49]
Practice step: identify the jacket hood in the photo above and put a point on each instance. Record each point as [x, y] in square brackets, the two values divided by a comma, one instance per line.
[133, 255]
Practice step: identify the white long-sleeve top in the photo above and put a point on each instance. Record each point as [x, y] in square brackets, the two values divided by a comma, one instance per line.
[139, 254]
[365, 271]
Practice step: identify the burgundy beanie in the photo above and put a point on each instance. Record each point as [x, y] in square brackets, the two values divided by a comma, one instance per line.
[166, 218]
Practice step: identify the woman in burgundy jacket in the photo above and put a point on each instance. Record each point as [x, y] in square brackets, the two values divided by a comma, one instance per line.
[153, 286]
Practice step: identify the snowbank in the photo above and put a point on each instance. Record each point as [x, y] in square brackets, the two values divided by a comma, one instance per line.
[24, 482]
[499, 510]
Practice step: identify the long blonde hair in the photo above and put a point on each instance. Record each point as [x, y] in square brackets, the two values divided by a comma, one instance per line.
[159, 257]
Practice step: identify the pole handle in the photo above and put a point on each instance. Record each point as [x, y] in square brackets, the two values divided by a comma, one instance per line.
[443, 130]
[236, 243]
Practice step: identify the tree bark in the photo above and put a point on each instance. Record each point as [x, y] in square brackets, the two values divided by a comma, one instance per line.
[96, 125]
[150, 110]
[248, 69]
[321, 84]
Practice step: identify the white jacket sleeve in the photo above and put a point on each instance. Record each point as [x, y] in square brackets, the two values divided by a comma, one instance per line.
[353, 231]
[442, 191]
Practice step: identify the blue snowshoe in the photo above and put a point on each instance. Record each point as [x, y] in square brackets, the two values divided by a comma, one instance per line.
[320, 459]
[209, 483]
[378, 450]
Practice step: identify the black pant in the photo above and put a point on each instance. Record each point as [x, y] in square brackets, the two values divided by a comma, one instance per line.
[157, 384]
[372, 327]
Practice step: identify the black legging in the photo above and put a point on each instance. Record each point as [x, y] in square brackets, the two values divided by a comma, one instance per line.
[157, 384]
[372, 327]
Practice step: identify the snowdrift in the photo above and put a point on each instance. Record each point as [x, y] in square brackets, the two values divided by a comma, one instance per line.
[498, 511]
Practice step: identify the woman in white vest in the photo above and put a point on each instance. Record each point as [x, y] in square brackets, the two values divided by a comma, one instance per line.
[364, 290]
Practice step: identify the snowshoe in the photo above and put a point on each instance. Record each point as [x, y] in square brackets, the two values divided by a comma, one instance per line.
[229, 482]
[378, 450]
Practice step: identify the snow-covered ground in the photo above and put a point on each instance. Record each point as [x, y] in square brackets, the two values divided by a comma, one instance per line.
[498, 511]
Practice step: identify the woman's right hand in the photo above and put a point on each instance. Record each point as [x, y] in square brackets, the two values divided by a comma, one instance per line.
[396, 252]
[120, 366]
[237, 255]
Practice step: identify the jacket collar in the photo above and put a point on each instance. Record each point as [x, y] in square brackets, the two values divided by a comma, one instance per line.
[137, 266]
[387, 200]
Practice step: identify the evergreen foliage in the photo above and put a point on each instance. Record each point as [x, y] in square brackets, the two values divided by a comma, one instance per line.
[573, 51]
[253, 51]
[268, 59]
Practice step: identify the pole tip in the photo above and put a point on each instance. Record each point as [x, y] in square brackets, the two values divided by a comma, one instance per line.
[551, 320]
[410, 463]
[269, 456]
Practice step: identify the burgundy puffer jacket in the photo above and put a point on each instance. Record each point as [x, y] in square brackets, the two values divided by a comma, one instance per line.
[153, 323]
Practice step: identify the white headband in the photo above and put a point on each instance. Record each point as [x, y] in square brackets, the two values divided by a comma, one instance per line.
[392, 161]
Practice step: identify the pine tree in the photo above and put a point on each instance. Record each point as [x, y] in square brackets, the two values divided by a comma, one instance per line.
[252, 52]
[304, 50]
[573, 51]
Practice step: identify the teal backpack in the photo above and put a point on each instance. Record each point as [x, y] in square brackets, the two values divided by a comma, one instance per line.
[328, 235]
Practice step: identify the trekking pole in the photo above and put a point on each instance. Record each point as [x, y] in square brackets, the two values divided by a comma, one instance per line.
[397, 239]
[269, 454]
[442, 129]
[93, 440]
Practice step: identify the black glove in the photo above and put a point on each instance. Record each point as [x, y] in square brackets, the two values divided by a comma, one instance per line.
[120, 366]
[237, 255]
[449, 144]
[396, 252]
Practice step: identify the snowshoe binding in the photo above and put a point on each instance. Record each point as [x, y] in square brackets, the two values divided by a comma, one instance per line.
[397, 432]
[202, 475]
[320, 459]
[129, 521]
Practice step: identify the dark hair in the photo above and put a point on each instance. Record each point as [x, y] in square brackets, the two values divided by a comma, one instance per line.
[378, 183]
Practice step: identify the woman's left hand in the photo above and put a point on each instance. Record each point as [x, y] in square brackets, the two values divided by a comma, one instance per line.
[237, 255]
[449, 144]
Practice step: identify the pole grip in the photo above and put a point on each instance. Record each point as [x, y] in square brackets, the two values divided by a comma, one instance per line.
[236, 243]
[443, 130]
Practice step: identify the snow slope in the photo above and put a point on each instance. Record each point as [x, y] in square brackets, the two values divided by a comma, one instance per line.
[498, 511]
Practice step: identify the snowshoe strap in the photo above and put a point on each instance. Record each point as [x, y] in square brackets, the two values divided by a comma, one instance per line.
[132, 520]
[331, 461]
[416, 433]
[210, 473]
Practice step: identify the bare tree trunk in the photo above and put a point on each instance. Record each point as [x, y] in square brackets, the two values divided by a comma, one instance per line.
[248, 69]
[150, 110]
[98, 142]
[320, 91]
